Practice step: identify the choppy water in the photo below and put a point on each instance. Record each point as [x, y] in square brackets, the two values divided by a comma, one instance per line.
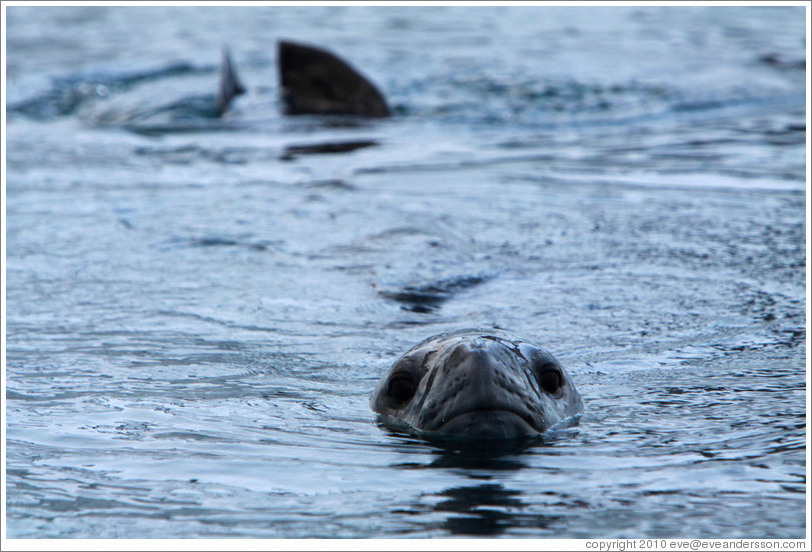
[197, 309]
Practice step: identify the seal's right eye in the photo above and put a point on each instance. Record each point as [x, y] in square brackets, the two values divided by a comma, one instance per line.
[401, 388]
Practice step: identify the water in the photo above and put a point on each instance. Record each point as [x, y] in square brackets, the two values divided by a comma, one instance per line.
[198, 309]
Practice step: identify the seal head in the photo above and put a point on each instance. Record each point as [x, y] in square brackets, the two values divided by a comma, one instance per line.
[477, 384]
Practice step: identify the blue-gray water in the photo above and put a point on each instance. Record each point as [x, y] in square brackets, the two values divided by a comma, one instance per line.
[197, 312]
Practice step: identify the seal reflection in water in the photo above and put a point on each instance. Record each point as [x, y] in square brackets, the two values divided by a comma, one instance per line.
[478, 384]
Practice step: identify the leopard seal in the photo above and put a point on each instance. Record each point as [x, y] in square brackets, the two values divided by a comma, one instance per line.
[479, 384]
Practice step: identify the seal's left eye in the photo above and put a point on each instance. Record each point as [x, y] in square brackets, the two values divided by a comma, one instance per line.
[401, 389]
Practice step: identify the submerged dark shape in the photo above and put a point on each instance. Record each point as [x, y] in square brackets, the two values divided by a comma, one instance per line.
[230, 86]
[315, 81]
[427, 297]
[774, 60]
[478, 384]
[295, 150]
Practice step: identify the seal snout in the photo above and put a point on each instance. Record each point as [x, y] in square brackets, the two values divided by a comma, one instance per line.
[482, 395]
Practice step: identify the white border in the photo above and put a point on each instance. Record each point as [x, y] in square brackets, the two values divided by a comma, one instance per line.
[365, 544]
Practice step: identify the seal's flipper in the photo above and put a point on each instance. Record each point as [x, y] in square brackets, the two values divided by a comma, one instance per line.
[230, 85]
[314, 81]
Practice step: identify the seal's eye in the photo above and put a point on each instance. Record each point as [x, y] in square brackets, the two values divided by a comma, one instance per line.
[401, 389]
[550, 381]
